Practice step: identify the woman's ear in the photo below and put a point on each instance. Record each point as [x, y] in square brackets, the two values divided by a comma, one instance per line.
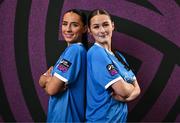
[89, 31]
[85, 29]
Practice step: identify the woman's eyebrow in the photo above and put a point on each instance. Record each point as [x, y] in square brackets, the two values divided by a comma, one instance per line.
[95, 24]
[74, 22]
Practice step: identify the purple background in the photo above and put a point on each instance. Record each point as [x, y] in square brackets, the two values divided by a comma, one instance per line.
[166, 25]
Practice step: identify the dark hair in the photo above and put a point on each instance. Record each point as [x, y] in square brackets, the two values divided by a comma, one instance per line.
[98, 12]
[104, 12]
[84, 21]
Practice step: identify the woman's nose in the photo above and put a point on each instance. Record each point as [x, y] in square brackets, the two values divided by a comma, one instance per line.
[102, 30]
[68, 28]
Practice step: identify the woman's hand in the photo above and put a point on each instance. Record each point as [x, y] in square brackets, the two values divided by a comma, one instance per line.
[135, 93]
[118, 97]
[45, 77]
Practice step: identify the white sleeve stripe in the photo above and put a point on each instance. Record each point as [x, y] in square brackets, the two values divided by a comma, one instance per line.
[45, 74]
[134, 78]
[112, 82]
[60, 77]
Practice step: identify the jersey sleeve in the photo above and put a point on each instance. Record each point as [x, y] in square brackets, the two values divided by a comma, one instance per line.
[127, 74]
[68, 67]
[103, 70]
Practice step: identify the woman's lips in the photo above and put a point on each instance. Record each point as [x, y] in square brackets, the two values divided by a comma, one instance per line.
[68, 35]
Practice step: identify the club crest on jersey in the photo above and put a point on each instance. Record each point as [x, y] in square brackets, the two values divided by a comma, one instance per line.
[64, 65]
[111, 69]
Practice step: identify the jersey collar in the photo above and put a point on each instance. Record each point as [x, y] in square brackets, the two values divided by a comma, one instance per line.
[79, 43]
[104, 48]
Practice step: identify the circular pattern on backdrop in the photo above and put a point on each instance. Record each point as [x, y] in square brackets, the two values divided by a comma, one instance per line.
[154, 57]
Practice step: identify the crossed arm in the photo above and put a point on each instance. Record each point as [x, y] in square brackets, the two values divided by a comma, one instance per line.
[51, 84]
[125, 92]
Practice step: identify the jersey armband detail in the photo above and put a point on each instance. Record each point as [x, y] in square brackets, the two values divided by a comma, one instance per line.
[60, 77]
[64, 65]
[113, 81]
[111, 69]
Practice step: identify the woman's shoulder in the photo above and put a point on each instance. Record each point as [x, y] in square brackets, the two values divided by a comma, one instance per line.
[76, 46]
[75, 49]
[96, 51]
[120, 54]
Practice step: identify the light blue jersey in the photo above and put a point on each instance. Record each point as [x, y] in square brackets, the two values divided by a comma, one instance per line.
[103, 69]
[68, 106]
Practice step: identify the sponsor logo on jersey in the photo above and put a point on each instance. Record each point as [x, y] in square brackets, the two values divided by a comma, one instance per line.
[64, 65]
[111, 69]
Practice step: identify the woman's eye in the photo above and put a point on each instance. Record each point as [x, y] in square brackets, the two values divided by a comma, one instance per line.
[75, 25]
[64, 24]
[105, 25]
[95, 27]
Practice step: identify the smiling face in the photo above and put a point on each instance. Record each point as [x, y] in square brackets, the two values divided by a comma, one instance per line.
[101, 28]
[72, 28]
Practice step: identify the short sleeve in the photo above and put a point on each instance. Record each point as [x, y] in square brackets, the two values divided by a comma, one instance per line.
[68, 66]
[127, 74]
[103, 70]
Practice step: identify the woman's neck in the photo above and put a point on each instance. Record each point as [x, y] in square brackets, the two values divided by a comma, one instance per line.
[106, 45]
